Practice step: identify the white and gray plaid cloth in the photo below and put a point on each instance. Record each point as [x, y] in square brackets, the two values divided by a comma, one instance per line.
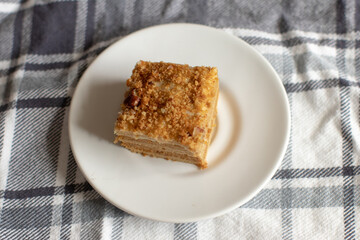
[46, 45]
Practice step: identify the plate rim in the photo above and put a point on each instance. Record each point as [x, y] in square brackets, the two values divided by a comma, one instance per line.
[251, 194]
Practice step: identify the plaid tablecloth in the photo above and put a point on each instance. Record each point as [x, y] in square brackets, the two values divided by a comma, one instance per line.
[45, 46]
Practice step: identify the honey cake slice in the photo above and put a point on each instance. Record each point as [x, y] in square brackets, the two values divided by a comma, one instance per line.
[169, 111]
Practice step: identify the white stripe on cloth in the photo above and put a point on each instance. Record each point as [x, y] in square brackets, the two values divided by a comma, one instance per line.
[263, 224]
[56, 217]
[107, 228]
[290, 34]
[316, 182]
[140, 228]
[6, 149]
[55, 232]
[64, 149]
[9, 7]
[15, 7]
[318, 223]
[6, 64]
[297, 50]
[355, 126]
[317, 75]
[75, 231]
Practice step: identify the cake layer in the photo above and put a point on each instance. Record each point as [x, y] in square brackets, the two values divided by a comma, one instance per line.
[146, 140]
[167, 155]
[157, 147]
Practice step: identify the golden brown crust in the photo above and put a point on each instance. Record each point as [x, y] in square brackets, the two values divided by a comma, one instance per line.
[170, 102]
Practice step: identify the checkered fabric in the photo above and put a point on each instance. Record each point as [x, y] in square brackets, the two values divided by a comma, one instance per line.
[46, 45]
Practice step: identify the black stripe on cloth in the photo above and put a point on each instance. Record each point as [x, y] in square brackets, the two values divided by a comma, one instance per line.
[346, 131]
[47, 191]
[47, 36]
[348, 171]
[10, 85]
[90, 21]
[14, 66]
[137, 13]
[357, 15]
[347, 151]
[43, 102]
[185, 231]
[318, 84]
[47, 66]
[6, 106]
[311, 85]
[291, 42]
[28, 193]
[340, 17]
[16, 42]
[282, 24]
[317, 172]
[37, 103]
[197, 11]
[74, 188]
[308, 173]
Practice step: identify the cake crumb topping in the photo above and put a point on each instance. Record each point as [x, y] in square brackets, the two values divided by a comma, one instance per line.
[170, 102]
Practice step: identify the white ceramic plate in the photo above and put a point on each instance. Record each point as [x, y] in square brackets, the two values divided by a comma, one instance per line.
[251, 138]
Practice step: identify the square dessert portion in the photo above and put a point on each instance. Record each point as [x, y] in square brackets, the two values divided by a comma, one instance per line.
[169, 111]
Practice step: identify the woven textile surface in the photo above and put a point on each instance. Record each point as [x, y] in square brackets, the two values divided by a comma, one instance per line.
[46, 45]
